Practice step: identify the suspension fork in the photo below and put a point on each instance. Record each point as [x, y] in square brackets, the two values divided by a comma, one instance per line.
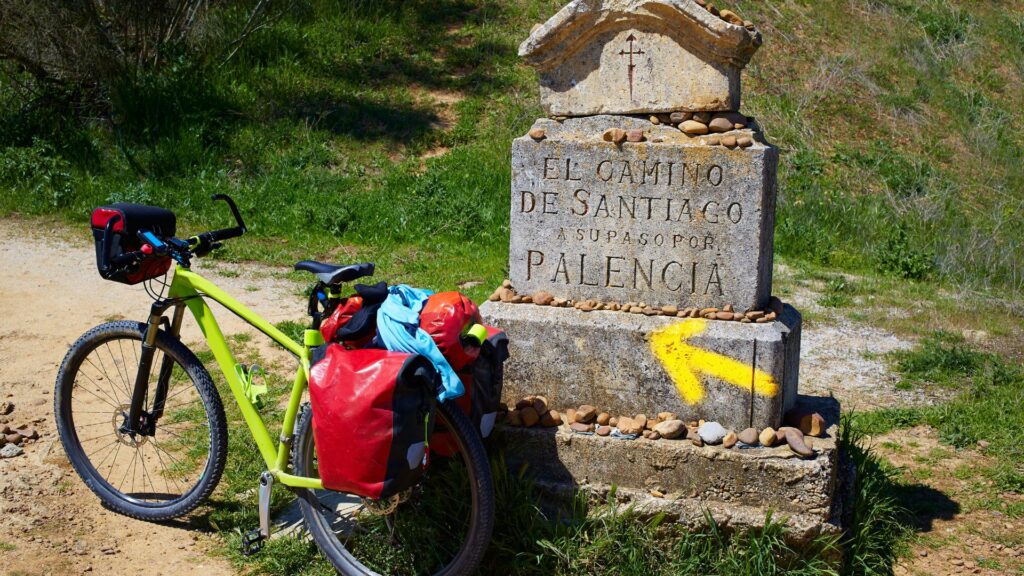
[135, 423]
[166, 366]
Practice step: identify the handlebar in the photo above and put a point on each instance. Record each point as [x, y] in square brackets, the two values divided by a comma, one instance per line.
[199, 245]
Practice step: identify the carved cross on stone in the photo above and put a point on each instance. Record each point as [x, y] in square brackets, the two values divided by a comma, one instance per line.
[678, 57]
[632, 66]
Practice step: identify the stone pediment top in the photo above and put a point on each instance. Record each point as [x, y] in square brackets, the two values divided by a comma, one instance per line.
[689, 24]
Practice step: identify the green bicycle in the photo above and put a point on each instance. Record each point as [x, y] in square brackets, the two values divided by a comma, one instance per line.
[144, 427]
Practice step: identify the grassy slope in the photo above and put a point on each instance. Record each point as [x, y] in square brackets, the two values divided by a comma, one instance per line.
[899, 150]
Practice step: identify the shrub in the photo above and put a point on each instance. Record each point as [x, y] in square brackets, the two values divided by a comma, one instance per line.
[897, 256]
[43, 177]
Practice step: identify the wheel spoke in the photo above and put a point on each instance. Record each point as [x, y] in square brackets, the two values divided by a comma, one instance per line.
[425, 533]
[164, 467]
[127, 375]
[105, 376]
[124, 382]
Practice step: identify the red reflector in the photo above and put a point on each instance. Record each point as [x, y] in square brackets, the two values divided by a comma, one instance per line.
[146, 249]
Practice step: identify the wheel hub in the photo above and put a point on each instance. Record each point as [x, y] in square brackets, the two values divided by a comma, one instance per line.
[124, 436]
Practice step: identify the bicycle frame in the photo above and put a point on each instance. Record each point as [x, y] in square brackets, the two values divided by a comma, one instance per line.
[189, 289]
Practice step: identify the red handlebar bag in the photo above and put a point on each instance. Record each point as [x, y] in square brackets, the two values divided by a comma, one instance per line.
[131, 219]
[372, 413]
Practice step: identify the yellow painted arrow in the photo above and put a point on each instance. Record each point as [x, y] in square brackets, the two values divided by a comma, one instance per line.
[684, 361]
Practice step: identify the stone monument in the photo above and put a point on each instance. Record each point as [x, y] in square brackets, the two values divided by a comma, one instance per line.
[640, 260]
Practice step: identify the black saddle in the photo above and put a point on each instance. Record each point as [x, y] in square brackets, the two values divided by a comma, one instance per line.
[332, 274]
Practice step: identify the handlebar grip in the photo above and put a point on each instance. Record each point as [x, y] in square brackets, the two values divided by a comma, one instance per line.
[225, 234]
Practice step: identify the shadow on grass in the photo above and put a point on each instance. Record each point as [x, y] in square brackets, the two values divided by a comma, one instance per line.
[924, 505]
[360, 118]
[385, 48]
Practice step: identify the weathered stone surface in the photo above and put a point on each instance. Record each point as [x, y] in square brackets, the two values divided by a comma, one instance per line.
[631, 57]
[671, 222]
[605, 359]
[737, 485]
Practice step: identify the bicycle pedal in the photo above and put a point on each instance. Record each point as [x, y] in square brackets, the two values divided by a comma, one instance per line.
[252, 542]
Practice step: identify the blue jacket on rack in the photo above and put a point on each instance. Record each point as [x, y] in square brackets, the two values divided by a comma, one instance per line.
[398, 329]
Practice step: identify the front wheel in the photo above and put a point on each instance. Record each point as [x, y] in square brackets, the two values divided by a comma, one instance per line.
[165, 472]
[441, 526]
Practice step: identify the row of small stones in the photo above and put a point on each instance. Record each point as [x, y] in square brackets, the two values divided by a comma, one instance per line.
[727, 15]
[507, 294]
[689, 123]
[533, 411]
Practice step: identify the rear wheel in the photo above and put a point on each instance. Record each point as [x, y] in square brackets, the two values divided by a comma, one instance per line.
[441, 526]
[156, 476]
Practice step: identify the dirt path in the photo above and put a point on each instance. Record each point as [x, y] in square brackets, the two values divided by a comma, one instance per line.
[960, 517]
[50, 523]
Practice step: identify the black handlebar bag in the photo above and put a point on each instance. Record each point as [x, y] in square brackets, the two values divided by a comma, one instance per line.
[130, 219]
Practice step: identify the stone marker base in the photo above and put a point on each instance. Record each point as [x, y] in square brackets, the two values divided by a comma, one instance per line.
[605, 359]
[737, 486]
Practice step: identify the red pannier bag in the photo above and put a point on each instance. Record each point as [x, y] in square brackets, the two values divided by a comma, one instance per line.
[131, 219]
[373, 411]
[446, 317]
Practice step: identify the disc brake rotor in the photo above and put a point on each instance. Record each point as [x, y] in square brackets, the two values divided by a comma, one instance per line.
[119, 418]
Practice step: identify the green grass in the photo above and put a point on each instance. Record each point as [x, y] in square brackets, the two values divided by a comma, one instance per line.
[233, 511]
[987, 406]
[878, 527]
[942, 358]
[837, 293]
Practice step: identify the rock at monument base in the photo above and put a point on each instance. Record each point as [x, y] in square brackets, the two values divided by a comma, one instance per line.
[605, 359]
[736, 485]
